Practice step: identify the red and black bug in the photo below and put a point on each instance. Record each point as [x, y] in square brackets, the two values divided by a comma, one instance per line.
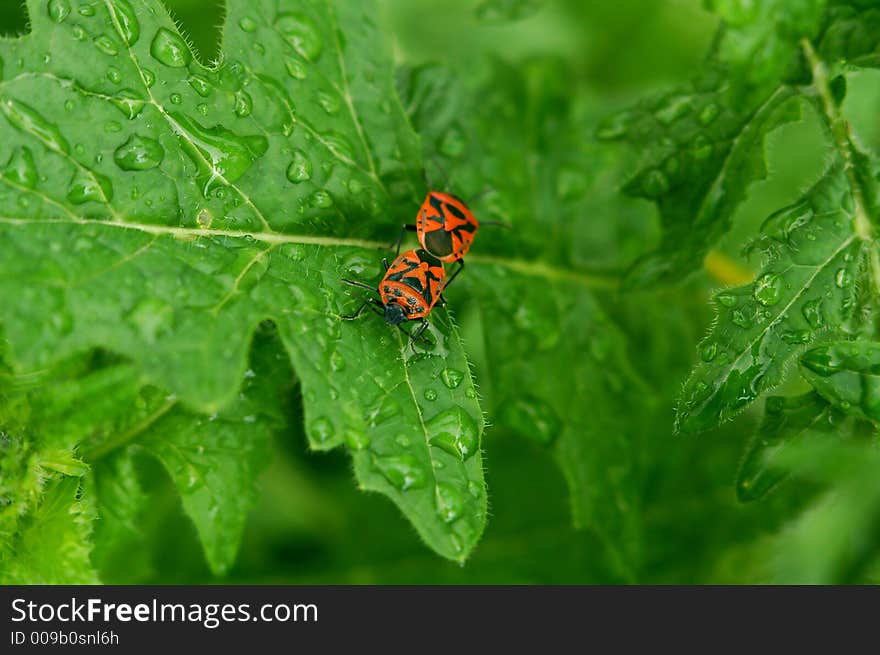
[445, 227]
[412, 285]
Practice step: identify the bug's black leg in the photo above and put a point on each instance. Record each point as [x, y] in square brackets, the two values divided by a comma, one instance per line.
[357, 313]
[385, 263]
[415, 336]
[403, 230]
[454, 275]
[370, 303]
[362, 285]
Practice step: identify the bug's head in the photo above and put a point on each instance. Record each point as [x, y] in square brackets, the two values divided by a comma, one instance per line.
[394, 314]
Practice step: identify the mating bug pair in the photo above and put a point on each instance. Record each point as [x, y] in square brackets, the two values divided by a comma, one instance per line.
[414, 282]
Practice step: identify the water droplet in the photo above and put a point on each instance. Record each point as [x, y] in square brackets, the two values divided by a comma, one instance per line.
[338, 144]
[149, 77]
[321, 430]
[247, 24]
[138, 153]
[301, 33]
[768, 289]
[128, 22]
[243, 104]
[470, 392]
[673, 109]
[337, 361]
[356, 439]
[89, 187]
[201, 86]
[402, 471]
[329, 102]
[106, 45]
[430, 394]
[58, 10]
[170, 49]
[295, 68]
[726, 299]
[738, 318]
[204, 218]
[78, 33]
[128, 102]
[450, 502]
[403, 441]
[229, 154]
[796, 337]
[812, 311]
[843, 278]
[475, 490]
[708, 352]
[655, 183]
[112, 126]
[86, 10]
[453, 143]
[451, 377]
[114, 75]
[21, 169]
[321, 199]
[28, 120]
[709, 113]
[202, 109]
[454, 431]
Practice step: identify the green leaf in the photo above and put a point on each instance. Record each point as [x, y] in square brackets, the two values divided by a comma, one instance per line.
[210, 199]
[787, 422]
[52, 546]
[835, 539]
[704, 144]
[806, 289]
[847, 375]
[548, 343]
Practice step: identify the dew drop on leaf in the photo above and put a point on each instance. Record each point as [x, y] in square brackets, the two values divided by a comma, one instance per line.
[454, 430]
[356, 439]
[21, 169]
[243, 104]
[402, 471]
[295, 68]
[709, 113]
[726, 299]
[337, 361]
[301, 33]
[321, 199]
[451, 377]
[29, 120]
[106, 45]
[170, 49]
[86, 10]
[128, 102]
[201, 86]
[321, 430]
[709, 351]
[430, 394]
[768, 289]
[843, 278]
[175, 98]
[812, 312]
[89, 187]
[329, 102]
[247, 24]
[300, 169]
[139, 153]
[58, 10]
[128, 22]
[450, 502]
[149, 77]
